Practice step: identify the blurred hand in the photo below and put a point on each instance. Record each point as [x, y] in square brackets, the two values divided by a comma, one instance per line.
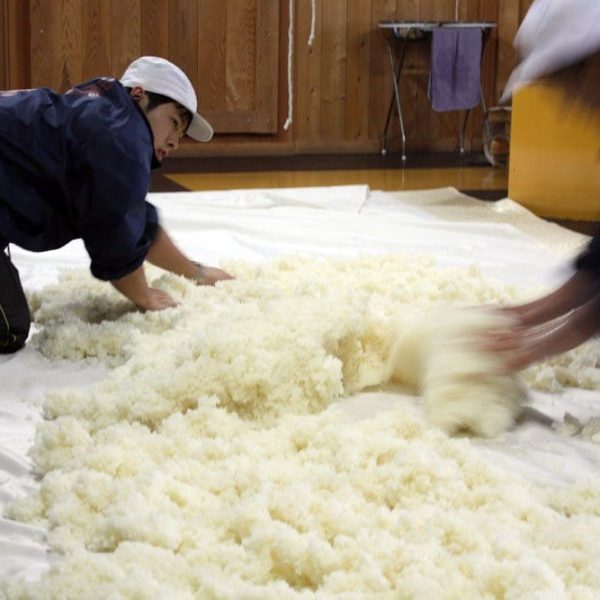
[516, 348]
[520, 346]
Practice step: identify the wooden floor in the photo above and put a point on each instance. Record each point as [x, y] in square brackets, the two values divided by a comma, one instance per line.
[468, 178]
[470, 174]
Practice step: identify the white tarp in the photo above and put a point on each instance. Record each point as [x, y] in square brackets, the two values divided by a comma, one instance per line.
[506, 241]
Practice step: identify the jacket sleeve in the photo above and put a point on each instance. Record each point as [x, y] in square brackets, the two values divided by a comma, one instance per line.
[589, 259]
[116, 223]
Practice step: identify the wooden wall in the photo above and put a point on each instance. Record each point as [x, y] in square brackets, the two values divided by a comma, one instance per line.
[236, 53]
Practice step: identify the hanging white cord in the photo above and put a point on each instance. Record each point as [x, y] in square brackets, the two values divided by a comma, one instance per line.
[290, 118]
[311, 37]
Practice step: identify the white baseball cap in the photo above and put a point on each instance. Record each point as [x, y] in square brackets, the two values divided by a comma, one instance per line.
[158, 75]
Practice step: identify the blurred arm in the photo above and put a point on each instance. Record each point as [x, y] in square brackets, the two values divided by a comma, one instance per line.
[575, 292]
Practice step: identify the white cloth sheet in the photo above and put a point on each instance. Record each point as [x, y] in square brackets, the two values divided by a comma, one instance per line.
[505, 240]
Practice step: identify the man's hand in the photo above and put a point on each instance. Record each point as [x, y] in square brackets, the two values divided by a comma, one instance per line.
[135, 287]
[210, 275]
[522, 346]
[156, 299]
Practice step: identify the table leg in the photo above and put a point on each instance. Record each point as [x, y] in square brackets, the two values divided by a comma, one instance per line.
[461, 133]
[486, 122]
[395, 99]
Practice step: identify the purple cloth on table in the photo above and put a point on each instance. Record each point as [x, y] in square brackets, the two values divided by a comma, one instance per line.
[454, 78]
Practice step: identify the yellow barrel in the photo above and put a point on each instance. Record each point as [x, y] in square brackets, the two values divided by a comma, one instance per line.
[554, 155]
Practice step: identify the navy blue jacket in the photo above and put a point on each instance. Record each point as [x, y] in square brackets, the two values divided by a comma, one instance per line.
[77, 165]
[589, 259]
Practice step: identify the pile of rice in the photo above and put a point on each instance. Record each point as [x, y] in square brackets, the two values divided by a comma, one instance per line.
[213, 463]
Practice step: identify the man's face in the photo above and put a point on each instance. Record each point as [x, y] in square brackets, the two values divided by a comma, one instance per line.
[168, 127]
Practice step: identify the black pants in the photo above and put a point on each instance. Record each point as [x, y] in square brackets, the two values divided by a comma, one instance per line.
[14, 311]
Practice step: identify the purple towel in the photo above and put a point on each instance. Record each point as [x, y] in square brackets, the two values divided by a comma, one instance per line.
[454, 78]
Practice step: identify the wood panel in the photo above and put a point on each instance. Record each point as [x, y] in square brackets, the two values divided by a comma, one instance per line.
[308, 70]
[266, 83]
[379, 80]
[212, 19]
[508, 19]
[228, 49]
[96, 38]
[126, 33]
[183, 41]
[155, 30]
[235, 52]
[333, 73]
[358, 33]
[3, 45]
[51, 58]
[16, 49]
[244, 39]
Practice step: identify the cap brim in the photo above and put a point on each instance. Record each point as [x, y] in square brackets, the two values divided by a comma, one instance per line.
[200, 129]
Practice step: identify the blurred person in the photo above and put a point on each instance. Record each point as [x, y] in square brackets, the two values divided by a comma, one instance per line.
[77, 166]
[559, 40]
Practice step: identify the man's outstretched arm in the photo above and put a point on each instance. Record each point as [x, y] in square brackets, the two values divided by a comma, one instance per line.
[164, 254]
